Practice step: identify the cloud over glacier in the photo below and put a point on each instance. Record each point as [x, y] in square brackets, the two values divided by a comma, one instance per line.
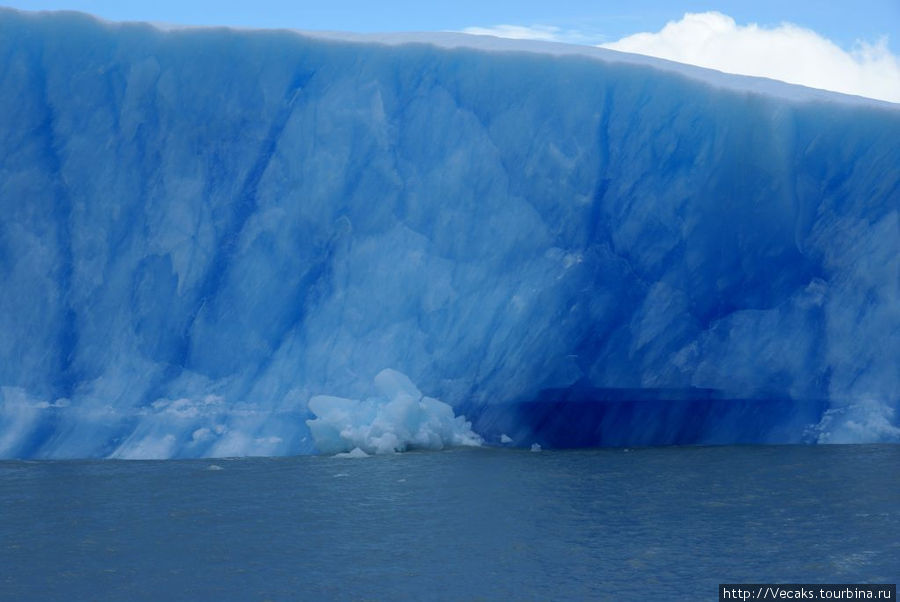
[546, 33]
[786, 52]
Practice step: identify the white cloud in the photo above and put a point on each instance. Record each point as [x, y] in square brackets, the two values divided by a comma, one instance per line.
[546, 33]
[787, 52]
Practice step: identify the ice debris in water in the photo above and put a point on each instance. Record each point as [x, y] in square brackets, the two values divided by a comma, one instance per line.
[504, 438]
[398, 418]
[535, 447]
[353, 453]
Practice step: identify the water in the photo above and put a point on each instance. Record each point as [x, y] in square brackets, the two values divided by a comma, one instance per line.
[472, 524]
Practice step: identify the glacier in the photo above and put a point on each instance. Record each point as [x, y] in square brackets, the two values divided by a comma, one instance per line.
[204, 229]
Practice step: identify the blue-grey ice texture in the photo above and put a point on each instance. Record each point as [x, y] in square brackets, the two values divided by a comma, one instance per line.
[203, 229]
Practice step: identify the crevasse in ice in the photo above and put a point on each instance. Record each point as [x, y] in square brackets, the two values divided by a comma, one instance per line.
[203, 229]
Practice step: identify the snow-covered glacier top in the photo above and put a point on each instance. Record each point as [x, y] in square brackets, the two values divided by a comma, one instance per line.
[204, 229]
[759, 85]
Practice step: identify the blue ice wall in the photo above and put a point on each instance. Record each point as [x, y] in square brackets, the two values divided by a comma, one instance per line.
[202, 229]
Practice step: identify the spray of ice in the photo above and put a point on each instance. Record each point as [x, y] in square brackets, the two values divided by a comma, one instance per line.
[396, 419]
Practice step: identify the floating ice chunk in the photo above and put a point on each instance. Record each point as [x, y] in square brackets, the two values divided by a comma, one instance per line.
[535, 447]
[214, 467]
[863, 421]
[354, 453]
[397, 419]
[504, 438]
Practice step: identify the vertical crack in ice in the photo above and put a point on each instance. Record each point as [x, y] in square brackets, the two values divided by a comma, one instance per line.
[68, 330]
[244, 206]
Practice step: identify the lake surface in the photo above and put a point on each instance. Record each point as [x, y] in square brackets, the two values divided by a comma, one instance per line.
[464, 524]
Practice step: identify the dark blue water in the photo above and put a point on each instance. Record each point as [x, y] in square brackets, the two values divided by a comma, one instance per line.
[480, 524]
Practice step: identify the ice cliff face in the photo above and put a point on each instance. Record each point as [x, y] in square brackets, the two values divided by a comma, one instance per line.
[203, 229]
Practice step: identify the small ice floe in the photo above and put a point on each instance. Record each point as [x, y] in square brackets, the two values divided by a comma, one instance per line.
[535, 447]
[354, 453]
[214, 467]
[504, 438]
[396, 419]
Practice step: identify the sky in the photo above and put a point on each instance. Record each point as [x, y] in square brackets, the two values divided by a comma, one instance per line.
[845, 45]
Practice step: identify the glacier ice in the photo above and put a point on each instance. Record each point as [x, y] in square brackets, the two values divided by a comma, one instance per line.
[398, 418]
[202, 229]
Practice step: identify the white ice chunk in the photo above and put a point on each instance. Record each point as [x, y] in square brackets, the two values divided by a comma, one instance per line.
[397, 419]
[864, 421]
[354, 453]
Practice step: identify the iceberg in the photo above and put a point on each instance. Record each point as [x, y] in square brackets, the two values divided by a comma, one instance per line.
[399, 418]
[203, 229]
